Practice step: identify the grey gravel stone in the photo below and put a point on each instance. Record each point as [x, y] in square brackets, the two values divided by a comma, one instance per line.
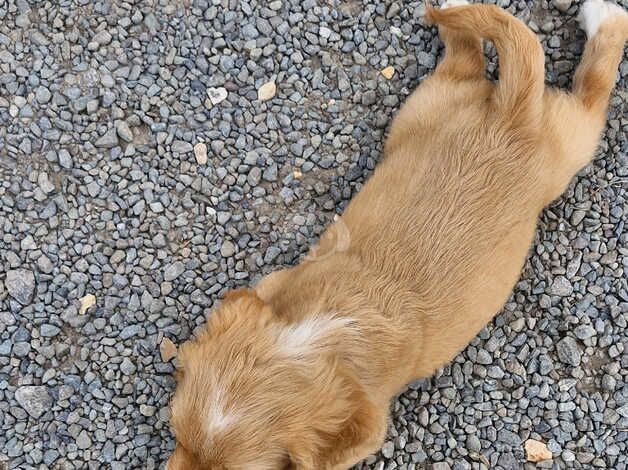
[124, 131]
[43, 95]
[83, 441]
[127, 367]
[271, 254]
[441, 466]
[20, 284]
[180, 146]
[562, 5]
[270, 173]
[65, 159]
[388, 449]
[35, 399]
[48, 331]
[173, 271]
[561, 287]
[227, 249]
[509, 437]
[584, 332]
[568, 351]
[426, 59]
[473, 443]
[44, 183]
[108, 140]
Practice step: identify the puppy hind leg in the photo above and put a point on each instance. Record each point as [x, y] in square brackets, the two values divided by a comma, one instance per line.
[518, 95]
[464, 57]
[578, 119]
[606, 26]
[571, 137]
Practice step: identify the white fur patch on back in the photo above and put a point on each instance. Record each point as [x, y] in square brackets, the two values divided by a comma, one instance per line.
[301, 337]
[217, 416]
[594, 12]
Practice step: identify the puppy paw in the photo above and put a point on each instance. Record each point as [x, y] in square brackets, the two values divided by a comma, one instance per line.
[595, 12]
[454, 3]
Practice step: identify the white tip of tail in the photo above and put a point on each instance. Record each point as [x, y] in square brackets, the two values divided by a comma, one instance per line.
[454, 3]
[594, 12]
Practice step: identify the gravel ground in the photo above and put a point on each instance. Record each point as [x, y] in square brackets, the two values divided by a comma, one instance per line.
[155, 153]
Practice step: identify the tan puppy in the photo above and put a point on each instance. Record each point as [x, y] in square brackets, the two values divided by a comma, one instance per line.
[298, 373]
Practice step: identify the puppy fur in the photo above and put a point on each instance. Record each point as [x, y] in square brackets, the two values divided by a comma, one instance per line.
[298, 373]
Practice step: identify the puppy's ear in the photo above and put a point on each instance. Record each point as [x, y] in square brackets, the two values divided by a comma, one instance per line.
[301, 457]
[239, 307]
[244, 303]
[357, 437]
[182, 460]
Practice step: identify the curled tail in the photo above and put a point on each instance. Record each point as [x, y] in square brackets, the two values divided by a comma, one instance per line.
[519, 91]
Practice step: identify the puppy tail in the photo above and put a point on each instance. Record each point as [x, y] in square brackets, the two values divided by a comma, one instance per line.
[519, 91]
